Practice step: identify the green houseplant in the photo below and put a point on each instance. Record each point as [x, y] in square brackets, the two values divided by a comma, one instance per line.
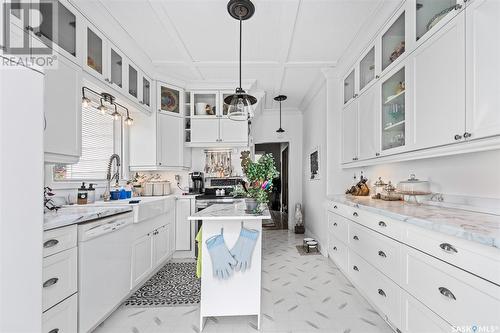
[259, 182]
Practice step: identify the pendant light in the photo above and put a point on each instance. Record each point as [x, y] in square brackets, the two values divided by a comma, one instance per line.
[102, 108]
[280, 98]
[240, 101]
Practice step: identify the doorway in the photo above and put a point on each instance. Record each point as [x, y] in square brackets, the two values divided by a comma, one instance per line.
[278, 198]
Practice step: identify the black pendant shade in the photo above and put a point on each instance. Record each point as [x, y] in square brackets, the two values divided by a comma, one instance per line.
[239, 104]
[279, 99]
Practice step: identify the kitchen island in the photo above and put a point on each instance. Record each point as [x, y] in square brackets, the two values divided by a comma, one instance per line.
[231, 250]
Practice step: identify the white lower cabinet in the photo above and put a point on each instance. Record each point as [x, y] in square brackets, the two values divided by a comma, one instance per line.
[183, 235]
[418, 280]
[142, 259]
[161, 244]
[62, 318]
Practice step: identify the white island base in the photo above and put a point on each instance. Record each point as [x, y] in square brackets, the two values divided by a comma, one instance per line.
[240, 294]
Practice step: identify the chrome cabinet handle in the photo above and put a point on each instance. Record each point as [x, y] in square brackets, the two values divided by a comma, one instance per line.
[382, 224]
[335, 207]
[355, 214]
[55, 330]
[355, 268]
[467, 135]
[335, 224]
[447, 293]
[458, 6]
[335, 248]
[457, 136]
[355, 237]
[377, 154]
[377, 76]
[50, 243]
[382, 293]
[50, 282]
[448, 248]
[382, 254]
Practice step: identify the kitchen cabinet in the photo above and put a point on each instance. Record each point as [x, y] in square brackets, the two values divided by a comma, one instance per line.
[369, 122]
[170, 140]
[231, 131]
[95, 55]
[62, 318]
[133, 81]
[349, 86]
[367, 69]
[350, 133]
[115, 71]
[142, 258]
[431, 15]
[204, 130]
[161, 244]
[439, 86]
[62, 111]
[145, 92]
[393, 40]
[205, 104]
[170, 99]
[482, 68]
[417, 318]
[184, 238]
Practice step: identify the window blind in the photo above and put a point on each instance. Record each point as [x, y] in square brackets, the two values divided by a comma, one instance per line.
[101, 137]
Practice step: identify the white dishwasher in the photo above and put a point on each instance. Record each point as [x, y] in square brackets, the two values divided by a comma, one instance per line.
[104, 261]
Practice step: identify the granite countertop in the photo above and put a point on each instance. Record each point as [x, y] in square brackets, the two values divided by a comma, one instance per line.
[77, 214]
[231, 211]
[474, 226]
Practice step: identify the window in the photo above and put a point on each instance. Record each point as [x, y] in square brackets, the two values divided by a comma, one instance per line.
[101, 137]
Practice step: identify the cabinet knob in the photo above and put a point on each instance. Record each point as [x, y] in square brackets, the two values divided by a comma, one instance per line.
[458, 6]
[335, 248]
[355, 95]
[382, 254]
[382, 293]
[457, 137]
[335, 206]
[50, 282]
[29, 28]
[448, 248]
[467, 135]
[377, 154]
[355, 237]
[377, 76]
[50, 243]
[382, 224]
[335, 224]
[355, 268]
[447, 293]
[355, 214]
[141, 102]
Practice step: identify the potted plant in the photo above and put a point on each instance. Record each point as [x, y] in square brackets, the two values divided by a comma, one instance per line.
[259, 182]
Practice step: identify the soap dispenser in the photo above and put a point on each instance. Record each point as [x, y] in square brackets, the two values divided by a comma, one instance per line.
[82, 195]
[91, 194]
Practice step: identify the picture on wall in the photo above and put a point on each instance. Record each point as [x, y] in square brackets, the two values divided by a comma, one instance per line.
[314, 164]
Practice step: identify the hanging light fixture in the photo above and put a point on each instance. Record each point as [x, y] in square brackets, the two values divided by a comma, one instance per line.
[240, 101]
[85, 100]
[279, 99]
[129, 121]
[102, 109]
[116, 115]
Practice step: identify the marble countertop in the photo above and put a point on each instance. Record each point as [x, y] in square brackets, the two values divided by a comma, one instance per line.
[231, 211]
[474, 226]
[77, 214]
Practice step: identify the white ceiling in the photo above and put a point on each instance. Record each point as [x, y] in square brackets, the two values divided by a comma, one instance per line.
[285, 44]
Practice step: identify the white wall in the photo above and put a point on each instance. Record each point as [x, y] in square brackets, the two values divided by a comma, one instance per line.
[264, 129]
[314, 129]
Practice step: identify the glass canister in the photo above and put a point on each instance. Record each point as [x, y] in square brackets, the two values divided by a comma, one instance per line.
[378, 188]
[414, 186]
[390, 194]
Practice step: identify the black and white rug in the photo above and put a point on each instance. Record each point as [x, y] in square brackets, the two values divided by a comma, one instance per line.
[175, 284]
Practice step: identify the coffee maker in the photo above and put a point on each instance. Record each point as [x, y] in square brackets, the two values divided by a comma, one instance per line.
[196, 182]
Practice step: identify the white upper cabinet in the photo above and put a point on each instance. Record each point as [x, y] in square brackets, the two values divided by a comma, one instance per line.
[369, 122]
[393, 41]
[132, 81]
[432, 15]
[205, 104]
[63, 112]
[483, 68]
[204, 130]
[350, 133]
[115, 72]
[169, 99]
[231, 131]
[350, 86]
[368, 70]
[439, 86]
[170, 140]
[95, 55]
[145, 91]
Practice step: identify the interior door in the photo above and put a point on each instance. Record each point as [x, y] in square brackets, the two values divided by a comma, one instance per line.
[483, 68]
[350, 132]
[170, 140]
[439, 86]
[369, 113]
[142, 258]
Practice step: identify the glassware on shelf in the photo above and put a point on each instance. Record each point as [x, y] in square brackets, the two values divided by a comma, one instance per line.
[393, 42]
[430, 12]
[393, 111]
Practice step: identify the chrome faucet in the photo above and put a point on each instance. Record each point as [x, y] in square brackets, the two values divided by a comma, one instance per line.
[106, 196]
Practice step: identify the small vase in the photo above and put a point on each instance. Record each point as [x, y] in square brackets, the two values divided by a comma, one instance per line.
[251, 204]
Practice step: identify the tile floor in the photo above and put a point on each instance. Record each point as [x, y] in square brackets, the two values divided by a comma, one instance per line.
[299, 294]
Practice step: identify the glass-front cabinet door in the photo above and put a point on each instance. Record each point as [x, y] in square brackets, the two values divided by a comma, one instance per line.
[133, 81]
[115, 67]
[431, 14]
[393, 110]
[349, 89]
[95, 55]
[169, 99]
[204, 104]
[367, 69]
[146, 91]
[393, 41]
[224, 108]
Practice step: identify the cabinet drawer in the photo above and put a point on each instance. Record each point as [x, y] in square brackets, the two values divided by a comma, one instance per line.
[337, 251]
[57, 240]
[478, 259]
[59, 277]
[458, 297]
[380, 290]
[62, 318]
[380, 251]
[339, 226]
[417, 318]
[384, 225]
